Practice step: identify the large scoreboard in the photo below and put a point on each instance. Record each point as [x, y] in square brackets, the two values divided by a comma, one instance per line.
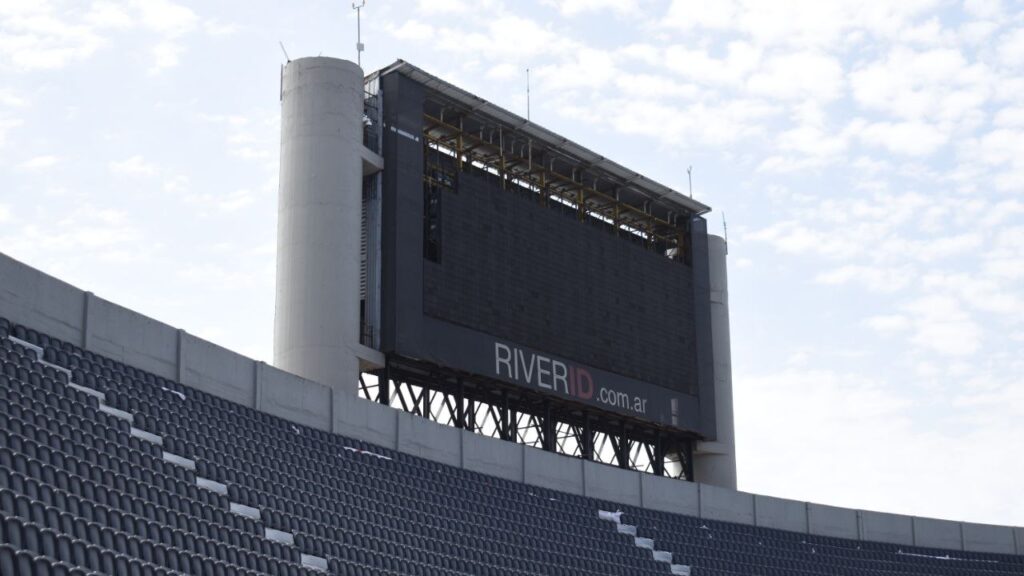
[488, 274]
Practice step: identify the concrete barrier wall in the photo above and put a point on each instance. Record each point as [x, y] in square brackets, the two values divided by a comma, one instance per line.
[293, 398]
[421, 437]
[782, 514]
[832, 521]
[217, 370]
[669, 495]
[492, 456]
[883, 527]
[549, 470]
[364, 420]
[933, 533]
[606, 482]
[131, 338]
[988, 538]
[727, 505]
[44, 303]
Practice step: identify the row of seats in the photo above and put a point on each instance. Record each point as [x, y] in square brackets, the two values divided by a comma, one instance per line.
[71, 465]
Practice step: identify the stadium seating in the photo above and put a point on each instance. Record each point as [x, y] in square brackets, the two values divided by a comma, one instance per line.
[105, 469]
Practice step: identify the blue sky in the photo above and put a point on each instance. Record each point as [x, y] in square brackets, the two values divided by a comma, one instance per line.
[868, 157]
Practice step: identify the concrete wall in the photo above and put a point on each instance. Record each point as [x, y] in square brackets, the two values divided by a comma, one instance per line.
[36, 300]
[606, 482]
[29, 297]
[493, 457]
[882, 527]
[134, 339]
[549, 470]
[933, 533]
[988, 538]
[832, 521]
[670, 495]
[217, 370]
[366, 421]
[287, 396]
[421, 437]
[717, 503]
[782, 514]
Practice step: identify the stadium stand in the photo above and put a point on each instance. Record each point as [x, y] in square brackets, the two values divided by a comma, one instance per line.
[107, 469]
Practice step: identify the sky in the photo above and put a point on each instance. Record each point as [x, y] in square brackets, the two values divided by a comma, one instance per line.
[867, 158]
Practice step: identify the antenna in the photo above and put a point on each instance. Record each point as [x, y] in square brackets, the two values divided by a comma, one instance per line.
[725, 228]
[689, 176]
[527, 93]
[358, 7]
[287, 59]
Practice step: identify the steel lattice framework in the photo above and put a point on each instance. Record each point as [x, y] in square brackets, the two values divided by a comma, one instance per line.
[492, 408]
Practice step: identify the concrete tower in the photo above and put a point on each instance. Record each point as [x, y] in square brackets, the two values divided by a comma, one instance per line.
[715, 462]
[316, 321]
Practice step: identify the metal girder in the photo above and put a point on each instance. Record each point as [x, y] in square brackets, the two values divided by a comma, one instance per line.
[528, 418]
[519, 167]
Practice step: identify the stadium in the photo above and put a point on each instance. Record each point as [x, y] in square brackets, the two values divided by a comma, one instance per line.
[495, 352]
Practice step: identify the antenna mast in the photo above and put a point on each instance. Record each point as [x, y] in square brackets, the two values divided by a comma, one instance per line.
[527, 93]
[358, 7]
[725, 228]
[689, 176]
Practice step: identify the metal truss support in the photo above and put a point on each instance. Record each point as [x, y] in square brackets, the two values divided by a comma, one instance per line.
[521, 416]
[587, 443]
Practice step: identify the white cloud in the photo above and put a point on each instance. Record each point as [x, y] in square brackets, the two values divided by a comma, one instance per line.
[874, 279]
[230, 202]
[176, 185]
[443, 6]
[45, 36]
[35, 37]
[698, 65]
[5, 213]
[686, 15]
[888, 324]
[38, 163]
[1011, 48]
[585, 68]
[984, 9]
[700, 123]
[134, 166]
[166, 54]
[806, 23]
[1002, 148]
[937, 84]
[104, 14]
[908, 138]
[504, 36]
[1009, 117]
[166, 17]
[6, 125]
[9, 98]
[799, 76]
[942, 325]
[413, 29]
[830, 415]
[219, 29]
[575, 7]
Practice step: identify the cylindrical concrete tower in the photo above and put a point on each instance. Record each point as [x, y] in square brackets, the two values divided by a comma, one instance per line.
[716, 461]
[316, 321]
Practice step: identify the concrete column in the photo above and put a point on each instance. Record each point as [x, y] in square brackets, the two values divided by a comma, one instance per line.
[715, 462]
[316, 321]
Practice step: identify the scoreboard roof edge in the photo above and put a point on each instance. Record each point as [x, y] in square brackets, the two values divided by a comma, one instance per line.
[658, 193]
